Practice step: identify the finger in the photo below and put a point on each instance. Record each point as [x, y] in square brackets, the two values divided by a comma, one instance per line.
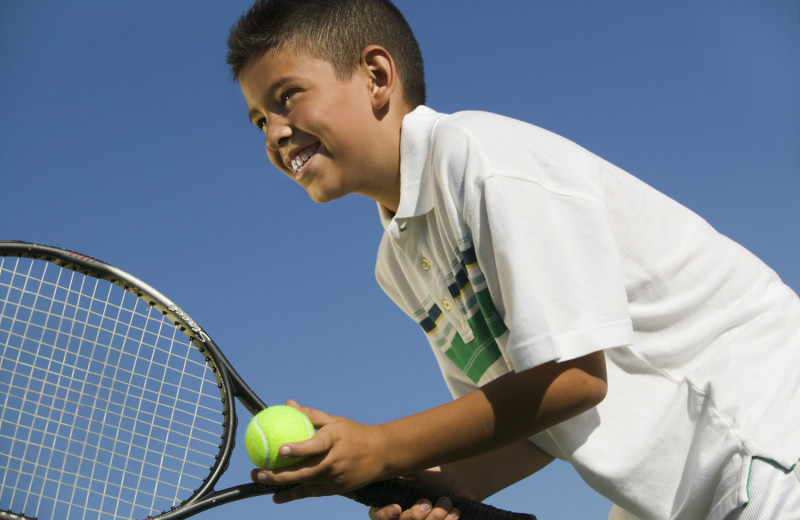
[390, 512]
[285, 477]
[443, 510]
[419, 511]
[317, 417]
[298, 473]
[297, 493]
[423, 510]
[295, 405]
[319, 444]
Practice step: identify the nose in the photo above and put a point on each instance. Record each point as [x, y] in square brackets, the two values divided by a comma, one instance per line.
[277, 132]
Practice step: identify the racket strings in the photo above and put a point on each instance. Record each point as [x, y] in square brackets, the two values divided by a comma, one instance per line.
[108, 411]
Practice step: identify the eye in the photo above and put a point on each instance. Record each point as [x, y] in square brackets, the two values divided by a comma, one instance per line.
[286, 96]
[261, 124]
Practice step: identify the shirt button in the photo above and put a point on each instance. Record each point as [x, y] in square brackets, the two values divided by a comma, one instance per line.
[446, 304]
[425, 264]
[403, 226]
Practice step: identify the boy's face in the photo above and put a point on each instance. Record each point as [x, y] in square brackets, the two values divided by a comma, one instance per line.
[320, 131]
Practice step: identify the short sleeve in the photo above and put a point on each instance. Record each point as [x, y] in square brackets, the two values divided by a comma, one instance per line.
[550, 255]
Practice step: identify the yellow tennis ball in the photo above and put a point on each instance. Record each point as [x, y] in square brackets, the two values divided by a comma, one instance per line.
[272, 427]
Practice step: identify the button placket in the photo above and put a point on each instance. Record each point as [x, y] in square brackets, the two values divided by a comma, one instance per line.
[425, 264]
[444, 302]
[414, 238]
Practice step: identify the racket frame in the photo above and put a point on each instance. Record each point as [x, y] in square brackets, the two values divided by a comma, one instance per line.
[232, 387]
[229, 383]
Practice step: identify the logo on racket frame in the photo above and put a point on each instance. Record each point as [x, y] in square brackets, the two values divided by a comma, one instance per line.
[202, 336]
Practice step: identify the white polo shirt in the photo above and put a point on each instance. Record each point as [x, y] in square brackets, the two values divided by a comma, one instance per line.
[513, 247]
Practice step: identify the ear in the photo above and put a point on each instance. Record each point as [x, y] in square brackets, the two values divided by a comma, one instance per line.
[382, 75]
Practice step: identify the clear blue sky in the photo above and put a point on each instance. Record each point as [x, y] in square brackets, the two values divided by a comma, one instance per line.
[122, 136]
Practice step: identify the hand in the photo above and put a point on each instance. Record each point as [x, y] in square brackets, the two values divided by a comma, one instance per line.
[476, 478]
[422, 510]
[342, 456]
[443, 478]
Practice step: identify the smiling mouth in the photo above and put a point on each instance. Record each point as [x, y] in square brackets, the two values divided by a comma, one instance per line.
[298, 162]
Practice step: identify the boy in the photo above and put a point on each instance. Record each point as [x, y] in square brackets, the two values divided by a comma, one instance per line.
[574, 311]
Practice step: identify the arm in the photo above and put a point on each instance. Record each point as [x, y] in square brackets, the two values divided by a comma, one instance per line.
[500, 413]
[476, 478]
[484, 475]
[345, 455]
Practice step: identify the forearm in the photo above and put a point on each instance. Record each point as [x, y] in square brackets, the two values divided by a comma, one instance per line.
[484, 475]
[345, 455]
[502, 412]
[475, 478]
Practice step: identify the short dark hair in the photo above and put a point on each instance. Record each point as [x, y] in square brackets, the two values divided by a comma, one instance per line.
[336, 31]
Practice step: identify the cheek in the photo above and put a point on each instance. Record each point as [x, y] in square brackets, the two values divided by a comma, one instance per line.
[274, 157]
[330, 121]
[311, 119]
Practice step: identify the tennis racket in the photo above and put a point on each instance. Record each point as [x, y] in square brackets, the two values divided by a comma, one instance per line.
[115, 404]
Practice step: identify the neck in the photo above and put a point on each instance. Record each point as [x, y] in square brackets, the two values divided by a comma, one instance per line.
[385, 189]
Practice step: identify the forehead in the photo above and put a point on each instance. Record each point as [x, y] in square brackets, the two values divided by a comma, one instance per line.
[277, 66]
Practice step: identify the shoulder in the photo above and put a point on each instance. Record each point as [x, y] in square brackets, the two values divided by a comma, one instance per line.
[472, 130]
[491, 130]
[482, 124]
[505, 146]
[470, 146]
[503, 141]
[484, 151]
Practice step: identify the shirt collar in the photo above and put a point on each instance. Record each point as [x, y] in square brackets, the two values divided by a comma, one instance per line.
[416, 197]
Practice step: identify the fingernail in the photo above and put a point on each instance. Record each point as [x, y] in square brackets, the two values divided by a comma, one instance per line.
[444, 503]
[425, 506]
[285, 451]
[453, 514]
[395, 511]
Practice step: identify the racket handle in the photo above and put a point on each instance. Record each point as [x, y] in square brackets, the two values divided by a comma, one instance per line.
[407, 492]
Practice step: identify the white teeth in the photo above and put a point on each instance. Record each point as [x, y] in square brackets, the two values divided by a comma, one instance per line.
[299, 161]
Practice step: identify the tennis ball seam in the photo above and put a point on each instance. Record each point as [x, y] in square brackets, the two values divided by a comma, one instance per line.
[265, 443]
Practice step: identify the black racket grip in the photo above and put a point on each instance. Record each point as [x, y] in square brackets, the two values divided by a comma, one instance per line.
[407, 492]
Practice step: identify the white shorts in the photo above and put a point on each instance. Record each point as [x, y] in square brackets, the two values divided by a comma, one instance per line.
[773, 492]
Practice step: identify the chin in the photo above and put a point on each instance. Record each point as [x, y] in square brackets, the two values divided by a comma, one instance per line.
[322, 196]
